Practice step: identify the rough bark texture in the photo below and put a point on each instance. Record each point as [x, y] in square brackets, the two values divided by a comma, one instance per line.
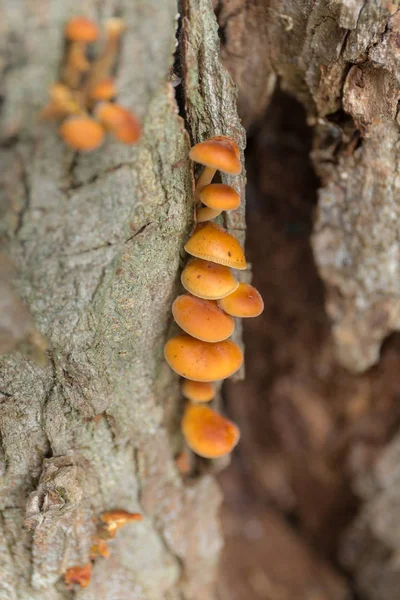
[341, 61]
[97, 242]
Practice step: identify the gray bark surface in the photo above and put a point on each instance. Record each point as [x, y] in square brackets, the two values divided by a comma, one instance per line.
[340, 59]
[97, 241]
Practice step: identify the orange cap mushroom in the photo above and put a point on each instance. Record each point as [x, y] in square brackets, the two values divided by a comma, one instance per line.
[217, 153]
[212, 242]
[198, 391]
[81, 29]
[207, 433]
[202, 361]
[203, 319]
[206, 214]
[220, 153]
[208, 280]
[220, 196]
[123, 124]
[103, 90]
[82, 133]
[244, 302]
[62, 103]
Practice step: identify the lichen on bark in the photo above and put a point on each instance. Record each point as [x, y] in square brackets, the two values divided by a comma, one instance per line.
[97, 241]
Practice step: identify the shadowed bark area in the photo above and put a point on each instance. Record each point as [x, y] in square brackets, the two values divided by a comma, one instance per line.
[97, 241]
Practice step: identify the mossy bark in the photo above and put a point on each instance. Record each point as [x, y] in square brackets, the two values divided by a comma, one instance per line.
[97, 242]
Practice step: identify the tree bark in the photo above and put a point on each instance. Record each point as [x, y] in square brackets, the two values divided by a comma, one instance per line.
[341, 61]
[97, 241]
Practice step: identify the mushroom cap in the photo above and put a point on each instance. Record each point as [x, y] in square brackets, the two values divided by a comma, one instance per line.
[103, 90]
[202, 319]
[218, 152]
[244, 302]
[220, 196]
[81, 29]
[207, 433]
[198, 391]
[206, 214]
[208, 280]
[82, 133]
[118, 119]
[212, 242]
[114, 26]
[202, 361]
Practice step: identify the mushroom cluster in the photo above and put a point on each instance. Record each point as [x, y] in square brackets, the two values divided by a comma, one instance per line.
[204, 354]
[84, 98]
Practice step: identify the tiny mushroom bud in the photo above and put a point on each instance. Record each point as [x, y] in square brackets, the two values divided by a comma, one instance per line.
[82, 133]
[103, 90]
[202, 361]
[220, 196]
[244, 302]
[115, 519]
[212, 242]
[208, 280]
[79, 575]
[120, 121]
[99, 548]
[207, 433]
[198, 391]
[206, 214]
[217, 153]
[202, 319]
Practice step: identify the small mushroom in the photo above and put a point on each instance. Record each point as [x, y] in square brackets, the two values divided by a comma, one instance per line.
[79, 575]
[103, 66]
[202, 319]
[219, 153]
[62, 103]
[207, 433]
[206, 214]
[219, 196]
[79, 31]
[198, 391]
[244, 302]
[99, 548]
[202, 361]
[208, 280]
[82, 133]
[212, 242]
[104, 90]
[120, 121]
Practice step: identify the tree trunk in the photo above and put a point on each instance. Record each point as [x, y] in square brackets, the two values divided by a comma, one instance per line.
[97, 241]
[341, 61]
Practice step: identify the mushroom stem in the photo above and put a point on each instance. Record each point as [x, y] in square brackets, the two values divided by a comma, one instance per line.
[104, 64]
[205, 178]
[206, 214]
[76, 64]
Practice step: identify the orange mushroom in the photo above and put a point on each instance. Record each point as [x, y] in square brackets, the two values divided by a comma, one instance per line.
[212, 242]
[104, 90]
[202, 361]
[206, 214]
[217, 153]
[120, 121]
[198, 391]
[99, 548]
[244, 302]
[62, 102]
[219, 196]
[82, 133]
[207, 433]
[104, 64]
[208, 280]
[202, 319]
[79, 575]
[79, 31]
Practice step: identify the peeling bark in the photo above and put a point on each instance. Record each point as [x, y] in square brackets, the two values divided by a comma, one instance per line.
[97, 240]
